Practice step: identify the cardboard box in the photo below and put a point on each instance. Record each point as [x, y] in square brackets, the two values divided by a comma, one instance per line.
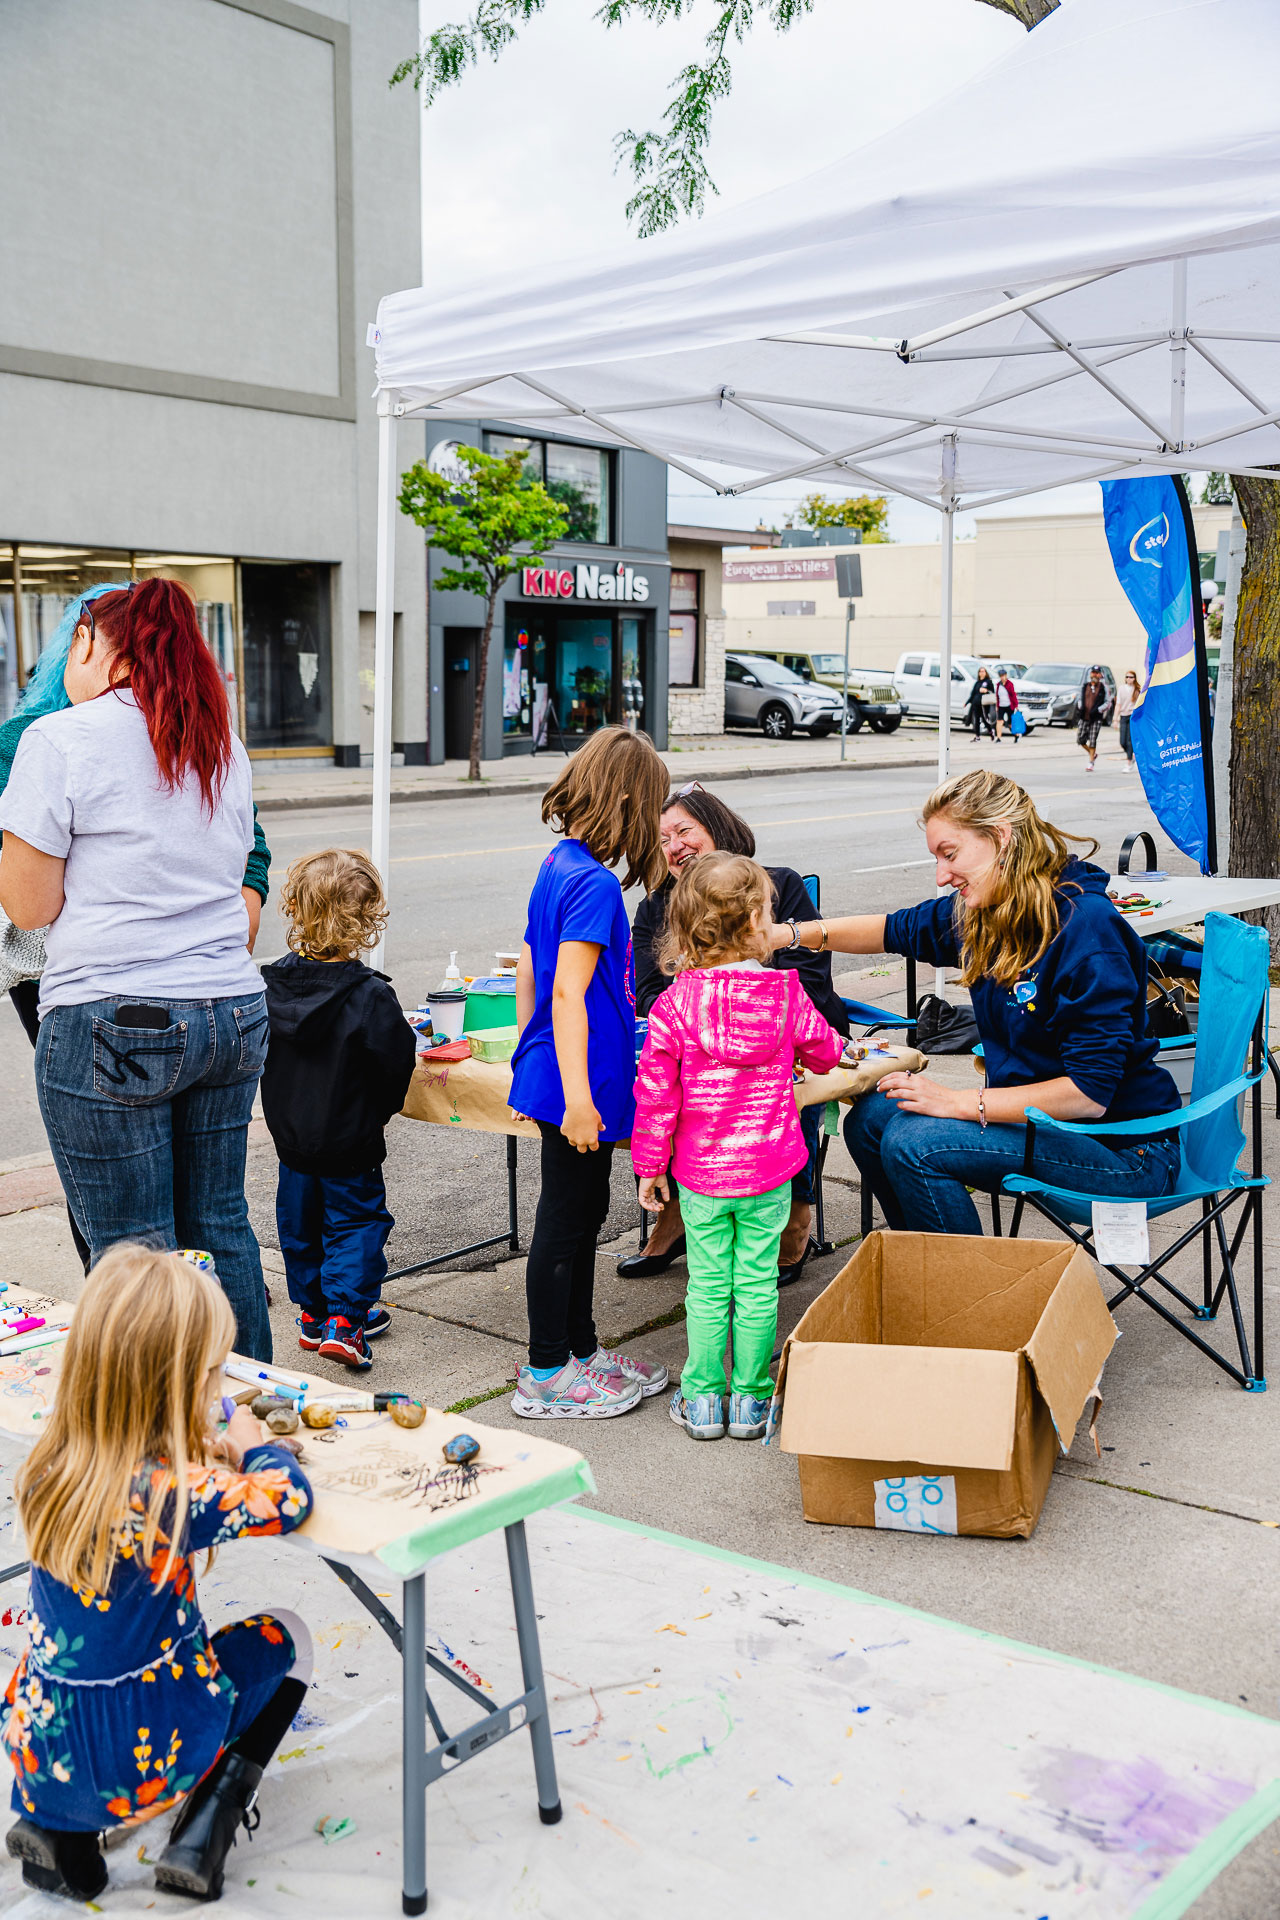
[931, 1386]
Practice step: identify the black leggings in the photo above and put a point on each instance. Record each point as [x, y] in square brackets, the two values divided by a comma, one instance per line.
[560, 1274]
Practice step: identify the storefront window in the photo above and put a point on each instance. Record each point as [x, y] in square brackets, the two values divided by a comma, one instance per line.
[578, 477]
[525, 681]
[583, 683]
[682, 657]
[287, 643]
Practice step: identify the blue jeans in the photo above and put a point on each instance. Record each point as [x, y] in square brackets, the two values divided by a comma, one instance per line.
[919, 1167]
[332, 1229]
[149, 1128]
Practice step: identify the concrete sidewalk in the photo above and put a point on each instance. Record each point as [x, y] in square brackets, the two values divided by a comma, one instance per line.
[282, 785]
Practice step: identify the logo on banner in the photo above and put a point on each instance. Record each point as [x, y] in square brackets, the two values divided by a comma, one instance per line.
[1151, 541]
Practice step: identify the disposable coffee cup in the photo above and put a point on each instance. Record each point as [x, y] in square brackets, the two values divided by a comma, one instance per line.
[448, 1011]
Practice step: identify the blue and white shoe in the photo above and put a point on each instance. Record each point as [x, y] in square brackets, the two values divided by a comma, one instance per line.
[376, 1321]
[702, 1417]
[748, 1416]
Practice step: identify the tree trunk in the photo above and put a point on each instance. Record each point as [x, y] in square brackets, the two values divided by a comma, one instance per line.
[1029, 12]
[482, 675]
[1255, 718]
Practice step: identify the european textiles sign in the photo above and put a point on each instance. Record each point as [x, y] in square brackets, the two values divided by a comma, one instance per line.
[1147, 533]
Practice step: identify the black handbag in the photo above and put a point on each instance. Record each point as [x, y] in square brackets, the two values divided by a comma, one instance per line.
[942, 1027]
[1167, 1017]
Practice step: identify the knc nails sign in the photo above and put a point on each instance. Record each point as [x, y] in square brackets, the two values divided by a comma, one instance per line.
[584, 582]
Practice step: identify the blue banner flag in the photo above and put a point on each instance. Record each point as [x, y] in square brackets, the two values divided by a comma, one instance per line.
[1147, 532]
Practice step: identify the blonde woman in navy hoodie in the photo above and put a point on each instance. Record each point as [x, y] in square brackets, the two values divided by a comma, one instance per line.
[1058, 982]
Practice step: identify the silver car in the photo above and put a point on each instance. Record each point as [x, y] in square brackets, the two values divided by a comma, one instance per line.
[760, 693]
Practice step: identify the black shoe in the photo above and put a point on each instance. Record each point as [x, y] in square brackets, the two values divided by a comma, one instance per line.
[787, 1276]
[206, 1828]
[640, 1266]
[65, 1863]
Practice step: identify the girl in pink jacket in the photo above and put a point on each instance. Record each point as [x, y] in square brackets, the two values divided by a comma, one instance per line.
[714, 1103]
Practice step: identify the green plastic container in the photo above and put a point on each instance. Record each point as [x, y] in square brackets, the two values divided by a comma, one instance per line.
[493, 1043]
[490, 1004]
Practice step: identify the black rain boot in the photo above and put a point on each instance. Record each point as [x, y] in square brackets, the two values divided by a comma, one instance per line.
[206, 1827]
[65, 1863]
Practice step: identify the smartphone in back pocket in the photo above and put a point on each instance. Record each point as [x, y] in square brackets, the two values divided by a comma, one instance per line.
[150, 1019]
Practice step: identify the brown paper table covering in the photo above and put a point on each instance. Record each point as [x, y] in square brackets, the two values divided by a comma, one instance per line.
[379, 1489]
[476, 1094]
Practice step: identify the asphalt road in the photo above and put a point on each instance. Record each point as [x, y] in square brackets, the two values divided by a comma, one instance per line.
[460, 876]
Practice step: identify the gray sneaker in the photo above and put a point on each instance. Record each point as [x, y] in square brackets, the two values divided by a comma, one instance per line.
[651, 1374]
[702, 1416]
[577, 1392]
[747, 1416]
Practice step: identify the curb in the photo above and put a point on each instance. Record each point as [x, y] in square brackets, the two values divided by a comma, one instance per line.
[350, 797]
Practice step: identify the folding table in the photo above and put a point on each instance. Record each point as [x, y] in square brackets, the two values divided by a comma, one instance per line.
[386, 1506]
[473, 1095]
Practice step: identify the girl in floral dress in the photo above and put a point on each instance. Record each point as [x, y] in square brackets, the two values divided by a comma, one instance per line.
[123, 1704]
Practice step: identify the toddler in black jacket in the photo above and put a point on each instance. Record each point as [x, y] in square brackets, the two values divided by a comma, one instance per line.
[339, 1063]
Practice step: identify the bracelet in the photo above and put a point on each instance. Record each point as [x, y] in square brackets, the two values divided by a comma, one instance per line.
[982, 1108]
[822, 944]
[794, 941]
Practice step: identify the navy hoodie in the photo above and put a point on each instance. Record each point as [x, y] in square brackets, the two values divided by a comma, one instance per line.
[339, 1063]
[1080, 1011]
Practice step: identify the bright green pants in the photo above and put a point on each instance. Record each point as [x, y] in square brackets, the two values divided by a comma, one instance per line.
[733, 1284]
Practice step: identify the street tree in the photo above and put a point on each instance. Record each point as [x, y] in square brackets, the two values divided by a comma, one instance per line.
[495, 521]
[868, 512]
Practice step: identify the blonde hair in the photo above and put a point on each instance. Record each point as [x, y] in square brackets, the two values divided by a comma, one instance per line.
[334, 903]
[709, 916]
[148, 1328]
[1011, 931]
[610, 797]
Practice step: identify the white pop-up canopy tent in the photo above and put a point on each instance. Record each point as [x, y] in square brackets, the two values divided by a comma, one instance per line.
[1070, 269]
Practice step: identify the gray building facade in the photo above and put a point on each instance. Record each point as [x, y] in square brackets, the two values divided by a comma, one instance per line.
[203, 201]
[579, 642]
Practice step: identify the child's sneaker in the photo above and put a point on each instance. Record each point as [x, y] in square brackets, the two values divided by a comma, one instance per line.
[702, 1417]
[310, 1332]
[342, 1341]
[748, 1416]
[577, 1392]
[651, 1374]
[376, 1321]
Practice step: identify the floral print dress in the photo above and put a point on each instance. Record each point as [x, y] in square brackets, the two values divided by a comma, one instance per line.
[123, 1700]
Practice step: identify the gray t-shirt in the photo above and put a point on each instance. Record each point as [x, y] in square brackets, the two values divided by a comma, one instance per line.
[153, 904]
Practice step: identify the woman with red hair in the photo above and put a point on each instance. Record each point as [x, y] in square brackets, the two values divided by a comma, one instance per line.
[127, 821]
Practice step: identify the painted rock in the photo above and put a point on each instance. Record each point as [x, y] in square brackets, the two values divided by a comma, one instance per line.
[460, 1449]
[408, 1413]
[265, 1403]
[318, 1416]
[282, 1419]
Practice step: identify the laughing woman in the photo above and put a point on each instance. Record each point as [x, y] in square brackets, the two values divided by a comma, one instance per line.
[1059, 988]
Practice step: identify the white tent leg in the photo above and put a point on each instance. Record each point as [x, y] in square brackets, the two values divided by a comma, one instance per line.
[944, 634]
[383, 648]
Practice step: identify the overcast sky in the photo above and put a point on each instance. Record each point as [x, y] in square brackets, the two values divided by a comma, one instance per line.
[517, 159]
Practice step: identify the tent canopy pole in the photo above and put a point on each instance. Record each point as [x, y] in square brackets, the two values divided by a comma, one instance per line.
[384, 649]
[944, 632]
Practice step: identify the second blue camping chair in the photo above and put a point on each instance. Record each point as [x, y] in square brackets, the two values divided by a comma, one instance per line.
[1231, 1032]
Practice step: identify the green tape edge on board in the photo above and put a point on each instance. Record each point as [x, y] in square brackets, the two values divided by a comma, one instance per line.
[1196, 1871]
[472, 1519]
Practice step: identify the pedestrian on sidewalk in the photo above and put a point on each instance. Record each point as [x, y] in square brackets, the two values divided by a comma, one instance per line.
[127, 822]
[1007, 706]
[339, 1064]
[981, 706]
[44, 693]
[123, 1705]
[573, 1071]
[1125, 704]
[1094, 708]
[714, 1101]
[695, 822]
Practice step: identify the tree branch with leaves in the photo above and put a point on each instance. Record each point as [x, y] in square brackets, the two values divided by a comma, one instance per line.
[495, 522]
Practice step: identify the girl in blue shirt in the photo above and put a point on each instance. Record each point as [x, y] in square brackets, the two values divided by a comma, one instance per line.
[574, 1069]
[1058, 982]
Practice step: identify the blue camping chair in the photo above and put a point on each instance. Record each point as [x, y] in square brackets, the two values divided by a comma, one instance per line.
[1232, 1028]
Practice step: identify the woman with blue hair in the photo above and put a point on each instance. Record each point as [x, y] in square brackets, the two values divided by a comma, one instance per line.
[45, 693]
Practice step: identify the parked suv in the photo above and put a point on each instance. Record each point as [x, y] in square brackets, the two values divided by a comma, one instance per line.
[917, 678]
[872, 694]
[760, 693]
[1049, 692]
